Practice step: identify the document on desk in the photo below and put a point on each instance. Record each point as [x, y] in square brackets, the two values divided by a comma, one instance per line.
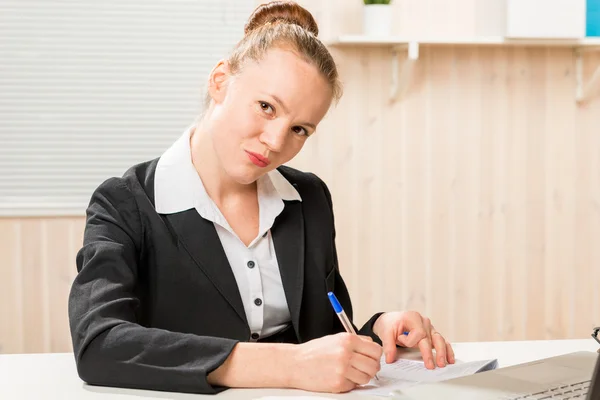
[404, 373]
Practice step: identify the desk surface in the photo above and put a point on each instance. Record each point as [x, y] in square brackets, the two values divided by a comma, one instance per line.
[53, 376]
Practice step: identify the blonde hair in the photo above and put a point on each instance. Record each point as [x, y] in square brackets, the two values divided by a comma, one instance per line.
[284, 24]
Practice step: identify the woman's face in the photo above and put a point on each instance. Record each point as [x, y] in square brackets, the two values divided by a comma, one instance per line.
[262, 116]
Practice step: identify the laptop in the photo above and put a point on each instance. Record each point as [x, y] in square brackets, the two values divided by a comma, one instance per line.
[570, 376]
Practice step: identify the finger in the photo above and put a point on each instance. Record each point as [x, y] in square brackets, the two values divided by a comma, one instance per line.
[413, 338]
[426, 353]
[357, 377]
[389, 345]
[368, 348]
[450, 353]
[439, 344]
[365, 364]
[401, 338]
[428, 356]
[428, 327]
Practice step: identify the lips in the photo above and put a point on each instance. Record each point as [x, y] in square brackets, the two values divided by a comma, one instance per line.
[257, 159]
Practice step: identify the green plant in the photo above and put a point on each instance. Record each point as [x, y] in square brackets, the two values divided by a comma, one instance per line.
[377, 1]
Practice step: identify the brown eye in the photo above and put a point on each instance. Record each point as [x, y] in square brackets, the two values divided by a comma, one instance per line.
[300, 131]
[266, 107]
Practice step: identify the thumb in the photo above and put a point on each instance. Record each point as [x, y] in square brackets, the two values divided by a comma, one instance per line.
[388, 340]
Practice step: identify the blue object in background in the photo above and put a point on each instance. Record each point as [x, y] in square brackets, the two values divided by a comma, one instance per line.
[593, 18]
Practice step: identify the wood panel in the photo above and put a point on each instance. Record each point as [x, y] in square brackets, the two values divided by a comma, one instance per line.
[11, 335]
[490, 173]
[37, 266]
[490, 176]
[490, 184]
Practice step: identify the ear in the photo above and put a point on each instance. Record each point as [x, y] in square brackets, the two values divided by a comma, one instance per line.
[217, 81]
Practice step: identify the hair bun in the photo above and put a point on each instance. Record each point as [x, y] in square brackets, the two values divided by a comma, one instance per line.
[281, 11]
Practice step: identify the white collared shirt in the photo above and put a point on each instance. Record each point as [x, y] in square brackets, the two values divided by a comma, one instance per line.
[178, 187]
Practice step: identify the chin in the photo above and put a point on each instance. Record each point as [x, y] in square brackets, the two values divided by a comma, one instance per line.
[244, 176]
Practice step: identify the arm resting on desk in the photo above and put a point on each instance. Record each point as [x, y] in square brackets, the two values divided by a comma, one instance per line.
[111, 348]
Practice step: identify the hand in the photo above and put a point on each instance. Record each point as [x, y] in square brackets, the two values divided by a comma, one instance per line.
[391, 326]
[336, 363]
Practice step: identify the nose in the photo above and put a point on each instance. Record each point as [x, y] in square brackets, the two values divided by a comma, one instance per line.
[274, 136]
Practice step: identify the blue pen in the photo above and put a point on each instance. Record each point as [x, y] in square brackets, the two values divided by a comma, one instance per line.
[337, 307]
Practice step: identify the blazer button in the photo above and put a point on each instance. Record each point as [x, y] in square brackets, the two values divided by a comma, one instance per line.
[258, 302]
[254, 336]
[251, 264]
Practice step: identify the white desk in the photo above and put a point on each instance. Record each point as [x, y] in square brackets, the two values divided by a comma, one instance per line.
[53, 376]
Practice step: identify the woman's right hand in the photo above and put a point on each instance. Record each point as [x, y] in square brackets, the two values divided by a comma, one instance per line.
[335, 363]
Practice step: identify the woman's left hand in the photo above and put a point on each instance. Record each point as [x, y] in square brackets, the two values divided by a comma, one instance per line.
[390, 328]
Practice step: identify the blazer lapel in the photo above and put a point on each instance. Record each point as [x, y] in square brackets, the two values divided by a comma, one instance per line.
[199, 237]
[288, 239]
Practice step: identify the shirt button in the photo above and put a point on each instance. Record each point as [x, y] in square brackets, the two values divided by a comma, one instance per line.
[251, 264]
[258, 302]
[255, 336]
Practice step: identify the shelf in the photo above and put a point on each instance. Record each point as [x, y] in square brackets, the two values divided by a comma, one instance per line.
[361, 40]
[402, 75]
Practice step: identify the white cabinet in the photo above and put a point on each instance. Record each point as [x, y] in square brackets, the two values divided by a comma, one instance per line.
[546, 19]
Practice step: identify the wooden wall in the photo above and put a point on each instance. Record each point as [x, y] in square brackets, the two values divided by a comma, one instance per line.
[37, 266]
[475, 200]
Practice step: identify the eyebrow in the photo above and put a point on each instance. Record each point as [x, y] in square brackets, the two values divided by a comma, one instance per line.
[287, 111]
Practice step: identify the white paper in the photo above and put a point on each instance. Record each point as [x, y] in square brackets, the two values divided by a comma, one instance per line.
[405, 373]
[292, 398]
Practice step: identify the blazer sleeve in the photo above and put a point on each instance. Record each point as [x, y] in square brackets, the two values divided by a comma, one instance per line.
[111, 348]
[341, 291]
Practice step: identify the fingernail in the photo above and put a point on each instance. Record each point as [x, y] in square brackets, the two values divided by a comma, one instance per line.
[430, 364]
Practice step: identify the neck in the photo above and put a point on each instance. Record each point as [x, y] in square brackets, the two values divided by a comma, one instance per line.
[218, 184]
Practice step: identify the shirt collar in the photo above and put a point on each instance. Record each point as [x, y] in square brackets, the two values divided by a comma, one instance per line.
[178, 187]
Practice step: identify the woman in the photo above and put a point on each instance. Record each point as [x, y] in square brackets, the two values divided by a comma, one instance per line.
[209, 267]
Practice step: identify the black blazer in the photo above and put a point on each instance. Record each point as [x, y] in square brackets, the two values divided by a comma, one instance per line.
[155, 304]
